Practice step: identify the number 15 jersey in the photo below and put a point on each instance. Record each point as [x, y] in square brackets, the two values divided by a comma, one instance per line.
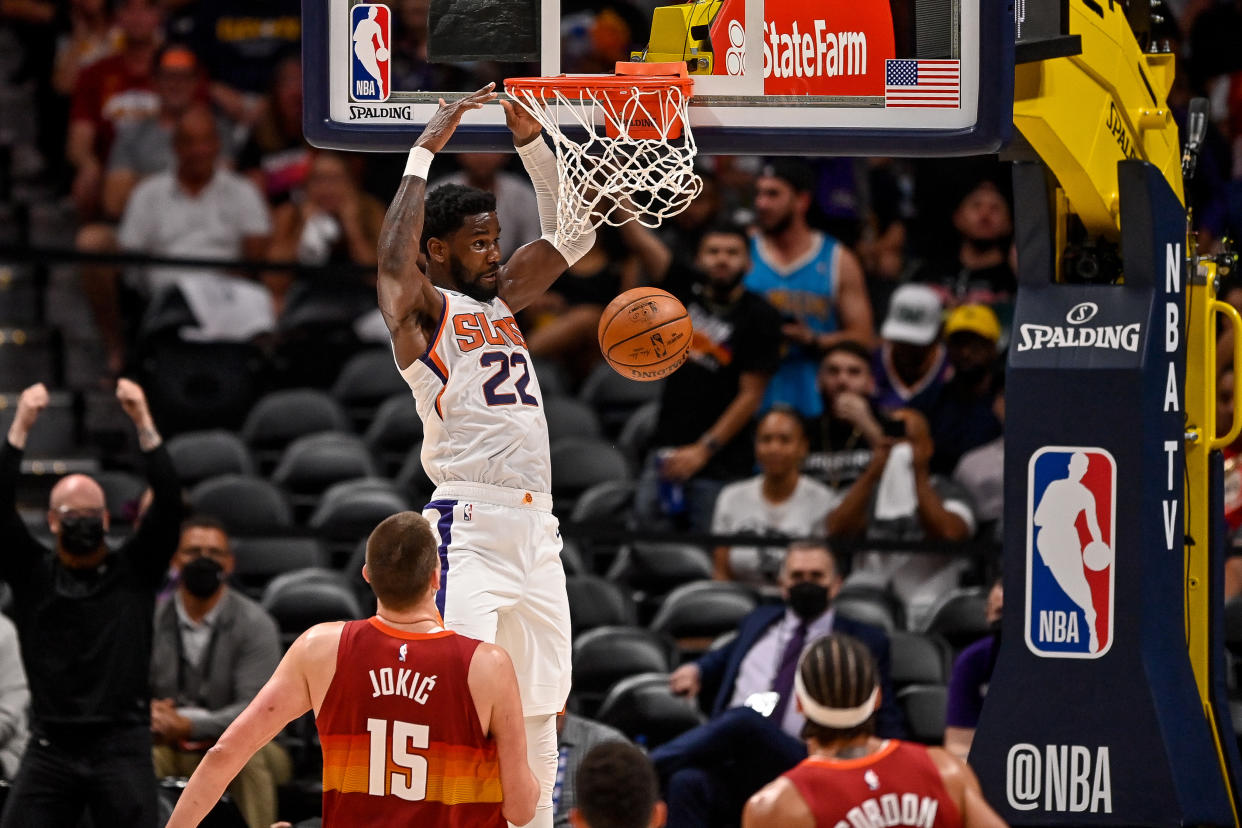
[479, 400]
[402, 743]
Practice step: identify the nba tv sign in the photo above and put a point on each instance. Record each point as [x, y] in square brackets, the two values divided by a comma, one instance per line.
[1070, 537]
[370, 38]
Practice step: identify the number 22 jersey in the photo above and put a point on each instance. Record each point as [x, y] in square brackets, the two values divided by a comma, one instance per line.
[479, 399]
[402, 743]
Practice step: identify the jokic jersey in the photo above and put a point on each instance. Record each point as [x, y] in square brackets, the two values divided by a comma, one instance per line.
[477, 394]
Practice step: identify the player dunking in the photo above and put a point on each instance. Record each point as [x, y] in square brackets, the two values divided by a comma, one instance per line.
[1058, 542]
[419, 725]
[852, 778]
[485, 439]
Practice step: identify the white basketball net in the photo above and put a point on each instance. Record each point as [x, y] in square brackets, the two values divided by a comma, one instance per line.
[612, 179]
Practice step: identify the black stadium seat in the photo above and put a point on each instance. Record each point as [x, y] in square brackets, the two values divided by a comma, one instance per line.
[580, 463]
[299, 600]
[605, 655]
[245, 505]
[961, 617]
[349, 511]
[924, 706]
[695, 614]
[659, 568]
[616, 397]
[258, 560]
[198, 455]
[644, 709]
[394, 430]
[568, 417]
[596, 602]
[917, 659]
[281, 417]
[366, 380]
[313, 463]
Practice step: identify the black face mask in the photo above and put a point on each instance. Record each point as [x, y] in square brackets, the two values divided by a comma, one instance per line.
[202, 577]
[81, 536]
[808, 600]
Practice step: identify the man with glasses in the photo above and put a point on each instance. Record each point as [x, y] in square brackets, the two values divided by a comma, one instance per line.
[214, 650]
[83, 613]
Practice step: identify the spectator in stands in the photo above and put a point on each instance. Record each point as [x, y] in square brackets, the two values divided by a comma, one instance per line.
[842, 437]
[704, 434]
[912, 364]
[710, 771]
[84, 615]
[92, 36]
[780, 502]
[515, 197]
[813, 280]
[978, 272]
[214, 649]
[115, 90]
[682, 233]
[898, 499]
[276, 158]
[576, 737]
[981, 471]
[961, 416]
[968, 682]
[202, 210]
[333, 222]
[14, 702]
[617, 788]
[241, 41]
[564, 321]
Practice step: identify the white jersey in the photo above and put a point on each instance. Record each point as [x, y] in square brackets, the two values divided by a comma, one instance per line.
[477, 394]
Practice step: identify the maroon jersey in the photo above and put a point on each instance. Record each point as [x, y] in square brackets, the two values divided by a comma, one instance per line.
[898, 785]
[401, 738]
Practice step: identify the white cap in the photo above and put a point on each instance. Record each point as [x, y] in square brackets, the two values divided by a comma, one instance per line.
[914, 316]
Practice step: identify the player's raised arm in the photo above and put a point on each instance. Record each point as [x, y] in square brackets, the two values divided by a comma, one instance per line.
[493, 685]
[408, 301]
[535, 266]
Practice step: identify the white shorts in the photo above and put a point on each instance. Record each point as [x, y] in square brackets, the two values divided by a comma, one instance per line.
[502, 581]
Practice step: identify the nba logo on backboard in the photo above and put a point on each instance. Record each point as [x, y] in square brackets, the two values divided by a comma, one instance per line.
[1070, 537]
[369, 52]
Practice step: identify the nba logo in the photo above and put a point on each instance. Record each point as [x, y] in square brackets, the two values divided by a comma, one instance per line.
[1070, 537]
[369, 44]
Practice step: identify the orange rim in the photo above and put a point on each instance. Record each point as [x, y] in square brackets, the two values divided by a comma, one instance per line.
[645, 77]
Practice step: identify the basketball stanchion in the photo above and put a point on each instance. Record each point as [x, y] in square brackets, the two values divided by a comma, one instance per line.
[629, 154]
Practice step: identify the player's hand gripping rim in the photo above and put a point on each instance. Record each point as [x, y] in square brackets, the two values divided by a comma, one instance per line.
[442, 125]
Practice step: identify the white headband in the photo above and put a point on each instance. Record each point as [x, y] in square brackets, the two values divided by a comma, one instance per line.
[839, 718]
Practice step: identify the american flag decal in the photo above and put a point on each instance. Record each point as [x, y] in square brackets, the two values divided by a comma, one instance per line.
[935, 84]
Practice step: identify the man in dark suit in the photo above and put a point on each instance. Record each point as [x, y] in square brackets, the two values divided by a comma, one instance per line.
[754, 733]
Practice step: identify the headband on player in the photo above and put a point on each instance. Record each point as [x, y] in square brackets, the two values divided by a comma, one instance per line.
[840, 718]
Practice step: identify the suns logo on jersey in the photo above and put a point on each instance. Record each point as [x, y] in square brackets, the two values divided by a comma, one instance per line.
[370, 41]
[1070, 539]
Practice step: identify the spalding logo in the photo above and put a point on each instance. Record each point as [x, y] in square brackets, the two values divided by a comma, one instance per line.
[644, 374]
[646, 310]
[1082, 312]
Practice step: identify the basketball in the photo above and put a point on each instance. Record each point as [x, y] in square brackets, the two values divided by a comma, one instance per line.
[645, 334]
[1097, 556]
[381, 53]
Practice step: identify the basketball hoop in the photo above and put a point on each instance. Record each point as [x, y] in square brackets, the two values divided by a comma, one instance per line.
[635, 161]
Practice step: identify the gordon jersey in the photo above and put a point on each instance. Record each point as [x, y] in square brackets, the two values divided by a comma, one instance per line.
[476, 391]
[897, 785]
[402, 743]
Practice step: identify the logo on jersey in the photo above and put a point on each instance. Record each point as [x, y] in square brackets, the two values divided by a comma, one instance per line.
[401, 653]
[872, 779]
[370, 41]
[1070, 537]
[467, 511]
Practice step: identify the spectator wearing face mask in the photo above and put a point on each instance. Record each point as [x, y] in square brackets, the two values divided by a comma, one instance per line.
[753, 736]
[214, 649]
[83, 613]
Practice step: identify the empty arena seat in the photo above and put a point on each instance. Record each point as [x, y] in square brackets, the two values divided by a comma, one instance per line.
[644, 709]
[580, 463]
[412, 479]
[258, 560]
[350, 510]
[635, 437]
[917, 659]
[299, 600]
[615, 397]
[313, 463]
[553, 381]
[245, 505]
[695, 614]
[198, 455]
[57, 432]
[365, 381]
[924, 706]
[200, 385]
[960, 617]
[568, 418]
[281, 417]
[606, 502]
[394, 429]
[597, 602]
[659, 568]
[871, 605]
[605, 655]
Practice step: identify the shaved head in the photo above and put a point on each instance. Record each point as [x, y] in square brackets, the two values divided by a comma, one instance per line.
[77, 491]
